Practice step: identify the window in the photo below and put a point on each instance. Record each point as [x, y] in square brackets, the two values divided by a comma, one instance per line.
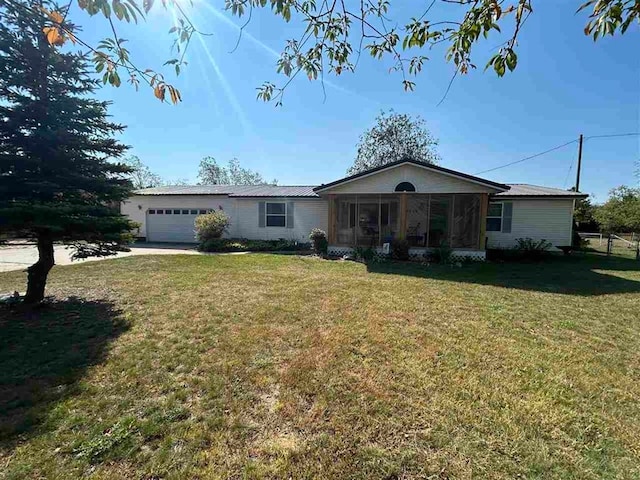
[494, 217]
[202, 211]
[276, 214]
[159, 212]
[185, 212]
[194, 212]
[152, 212]
[168, 212]
[405, 187]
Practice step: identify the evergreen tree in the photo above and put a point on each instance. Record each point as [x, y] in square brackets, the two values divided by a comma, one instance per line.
[57, 179]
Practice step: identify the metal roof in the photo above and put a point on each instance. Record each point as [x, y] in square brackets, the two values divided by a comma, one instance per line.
[233, 190]
[527, 190]
[307, 191]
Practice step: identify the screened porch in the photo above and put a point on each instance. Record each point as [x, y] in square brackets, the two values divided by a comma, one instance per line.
[424, 220]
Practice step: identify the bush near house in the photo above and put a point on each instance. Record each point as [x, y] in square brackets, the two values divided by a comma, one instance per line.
[399, 249]
[211, 226]
[526, 249]
[319, 242]
[246, 245]
[441, 254]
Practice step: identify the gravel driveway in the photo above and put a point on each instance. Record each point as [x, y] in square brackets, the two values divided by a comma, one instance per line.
[17, 256]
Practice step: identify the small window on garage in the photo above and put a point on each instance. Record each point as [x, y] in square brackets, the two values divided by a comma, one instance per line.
[202, 212]
[194, 212]
[152, 212]
[185, 212]
[167, 212]
[159, 212]
[176, 212]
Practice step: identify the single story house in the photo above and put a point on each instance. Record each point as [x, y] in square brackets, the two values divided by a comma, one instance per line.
[425, 204]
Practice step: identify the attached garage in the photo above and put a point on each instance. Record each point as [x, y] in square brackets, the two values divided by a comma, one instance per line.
[172, 224]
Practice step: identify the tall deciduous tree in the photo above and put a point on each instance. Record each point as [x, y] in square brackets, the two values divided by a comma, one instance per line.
[621, 212]
[584, 215]
[333, 35]
[210, 173]
[393, 137]
[141, 175]
[57, 182]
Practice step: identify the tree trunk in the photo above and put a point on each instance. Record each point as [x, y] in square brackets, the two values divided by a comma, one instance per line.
[38, 272]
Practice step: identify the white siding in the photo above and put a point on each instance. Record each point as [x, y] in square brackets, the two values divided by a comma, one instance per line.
[136, 207]
[551, 220]
[425, 181]
[308, 214]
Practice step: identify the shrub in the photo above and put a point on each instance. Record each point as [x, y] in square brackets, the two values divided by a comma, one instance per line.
[319, 242]
[245, 245]
[526, 249]
[211, 225]
[365, 254]
[531, 249]
[399, 249]
[215, 245]
[441, 254]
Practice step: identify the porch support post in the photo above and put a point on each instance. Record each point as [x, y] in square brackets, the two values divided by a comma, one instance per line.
[331, 234]
[403, 216]
[484, 206]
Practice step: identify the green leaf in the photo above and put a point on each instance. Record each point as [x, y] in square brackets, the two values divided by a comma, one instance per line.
[512, 60]
[106, 10]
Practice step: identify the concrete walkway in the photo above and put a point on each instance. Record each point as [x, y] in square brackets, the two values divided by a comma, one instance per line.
[18, 256]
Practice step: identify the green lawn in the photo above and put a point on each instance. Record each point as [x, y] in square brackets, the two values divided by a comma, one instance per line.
[259, 366]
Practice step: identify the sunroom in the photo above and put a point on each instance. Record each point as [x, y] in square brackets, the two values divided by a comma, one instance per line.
[426, 205]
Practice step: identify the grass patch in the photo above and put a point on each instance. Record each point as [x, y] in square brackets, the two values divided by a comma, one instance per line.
[263, 366]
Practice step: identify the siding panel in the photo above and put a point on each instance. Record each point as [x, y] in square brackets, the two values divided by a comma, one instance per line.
[551, 220]
[308, 214]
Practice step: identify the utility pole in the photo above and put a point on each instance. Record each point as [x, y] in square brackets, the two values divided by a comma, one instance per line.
[579, 163]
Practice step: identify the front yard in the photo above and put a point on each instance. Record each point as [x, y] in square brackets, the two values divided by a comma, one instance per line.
[275, 366]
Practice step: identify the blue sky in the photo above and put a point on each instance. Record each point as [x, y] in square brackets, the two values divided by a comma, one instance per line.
[565, 84]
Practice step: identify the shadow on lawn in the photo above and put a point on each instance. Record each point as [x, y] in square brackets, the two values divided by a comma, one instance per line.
[572, 275]
[43, 354]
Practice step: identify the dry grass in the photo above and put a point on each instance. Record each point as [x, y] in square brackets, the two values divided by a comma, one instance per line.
[261, 366]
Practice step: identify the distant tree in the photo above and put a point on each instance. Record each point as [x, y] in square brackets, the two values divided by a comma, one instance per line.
[210, 173]
[584, 216]
[621, 212]
[57, 183]
[181, 182]
[141, 175]
[395, 136]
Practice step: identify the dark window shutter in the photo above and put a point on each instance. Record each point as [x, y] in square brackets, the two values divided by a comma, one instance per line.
[507, 214]
[290, 215]
[261, 214]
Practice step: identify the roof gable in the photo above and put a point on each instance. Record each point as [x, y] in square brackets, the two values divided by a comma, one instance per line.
[426, 178]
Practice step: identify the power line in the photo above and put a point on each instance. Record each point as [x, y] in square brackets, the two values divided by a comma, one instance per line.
[633, 134]
[528, 158]
[566, 179]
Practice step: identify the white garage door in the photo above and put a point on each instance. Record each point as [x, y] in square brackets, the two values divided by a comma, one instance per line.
[172, 224]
